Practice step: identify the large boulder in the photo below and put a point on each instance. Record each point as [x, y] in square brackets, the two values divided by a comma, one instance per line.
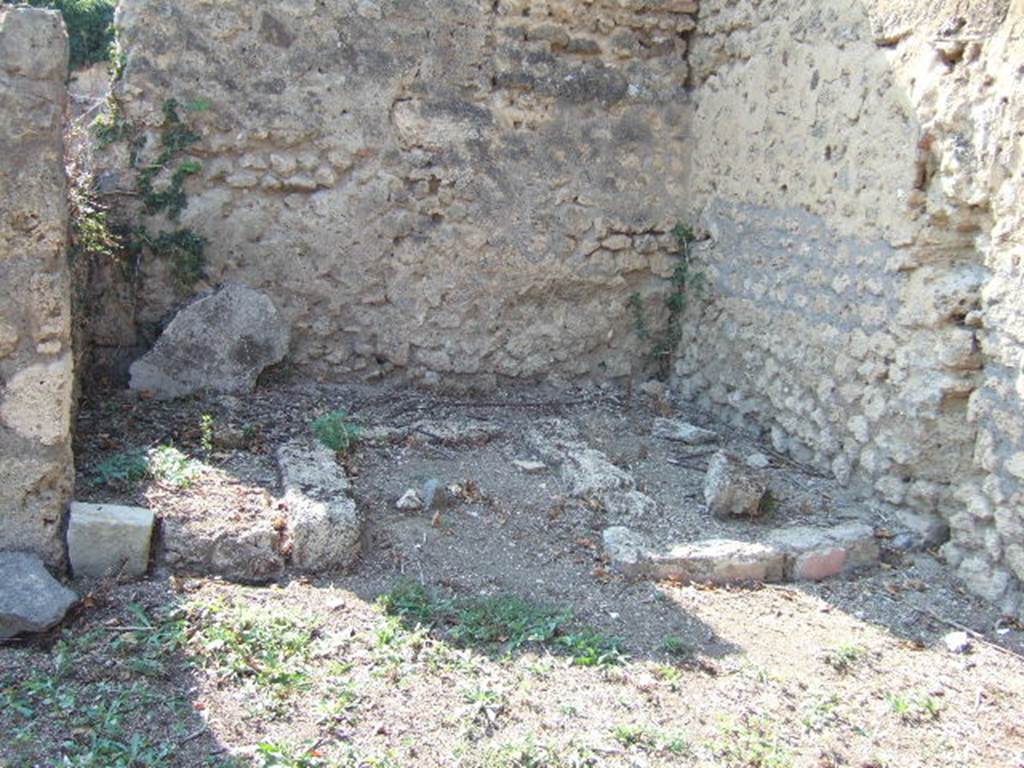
[31, 600]
[220, 343]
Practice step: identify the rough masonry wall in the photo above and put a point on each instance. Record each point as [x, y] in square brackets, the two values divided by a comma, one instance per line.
[464, 187]
[855, 165]
[35, 327]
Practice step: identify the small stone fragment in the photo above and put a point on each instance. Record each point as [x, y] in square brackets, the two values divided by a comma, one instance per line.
[921, 531]
[757, 461]
[434, 496]
[957, 642]
[409, 501]
[628, 505]
[530, 467]
[625, 549]
[731, 489]
[588, 472]
[654, 388]
[109, 540]
[683, 432]
[31, 600]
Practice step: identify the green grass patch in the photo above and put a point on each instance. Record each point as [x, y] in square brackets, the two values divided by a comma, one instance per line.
[502, 624]
[244, 642]
[164, 463]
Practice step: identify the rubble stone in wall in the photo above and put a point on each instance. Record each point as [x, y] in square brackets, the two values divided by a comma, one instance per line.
[36, 470]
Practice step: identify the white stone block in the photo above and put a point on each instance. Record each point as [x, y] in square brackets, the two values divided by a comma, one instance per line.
[109, 540]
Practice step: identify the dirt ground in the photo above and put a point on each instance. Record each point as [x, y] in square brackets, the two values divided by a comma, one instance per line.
[189, 670]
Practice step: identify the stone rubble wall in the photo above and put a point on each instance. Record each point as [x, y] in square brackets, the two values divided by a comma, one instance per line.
[856, 168]
[473, 189]
[444, 188]
[36, 470]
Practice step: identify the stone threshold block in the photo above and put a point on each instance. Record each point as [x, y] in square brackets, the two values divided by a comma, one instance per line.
[109, 540]
[799, 553]
[324, 524]
[711, 561]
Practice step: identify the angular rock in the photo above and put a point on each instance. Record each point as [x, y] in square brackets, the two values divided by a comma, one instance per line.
[31, 600]
[683, 432]
[921, 531]
[628, 505]
[434, 495]
[626, 549]
[324, 524]
[757, 461]
[409, 501]
[109, 540]
[588, 473]
[957, 642]
[731, 489]
[220, 343]
[813, 554]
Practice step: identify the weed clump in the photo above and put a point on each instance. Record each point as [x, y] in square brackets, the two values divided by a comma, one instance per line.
[336, 431]
[502, 623]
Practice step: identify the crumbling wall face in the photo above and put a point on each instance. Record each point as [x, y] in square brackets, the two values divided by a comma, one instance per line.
[962, 69]
[827, 324]
[856, 166]
[35, 327]
[468, 188]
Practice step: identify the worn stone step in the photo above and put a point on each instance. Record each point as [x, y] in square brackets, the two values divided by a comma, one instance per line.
[798, 553]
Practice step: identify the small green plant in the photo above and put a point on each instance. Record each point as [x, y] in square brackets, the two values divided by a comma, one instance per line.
[123, 469]
[751, 744]
[168, 464]
[110, 126]
[485, 706]
[409, 600]
[677, 646]
[684, 283]
[845, 656]
[914, 708]
[206, 434]
[821, 713]
[281, 755]
[336, 431]
[634, 736]
[90, 27]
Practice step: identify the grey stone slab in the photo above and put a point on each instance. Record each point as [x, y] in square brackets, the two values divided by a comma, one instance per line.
[109, 540]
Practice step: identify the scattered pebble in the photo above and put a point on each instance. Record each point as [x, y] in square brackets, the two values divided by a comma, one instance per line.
[410, 501]
[530, 467]
[758, 461]
[957, 642]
